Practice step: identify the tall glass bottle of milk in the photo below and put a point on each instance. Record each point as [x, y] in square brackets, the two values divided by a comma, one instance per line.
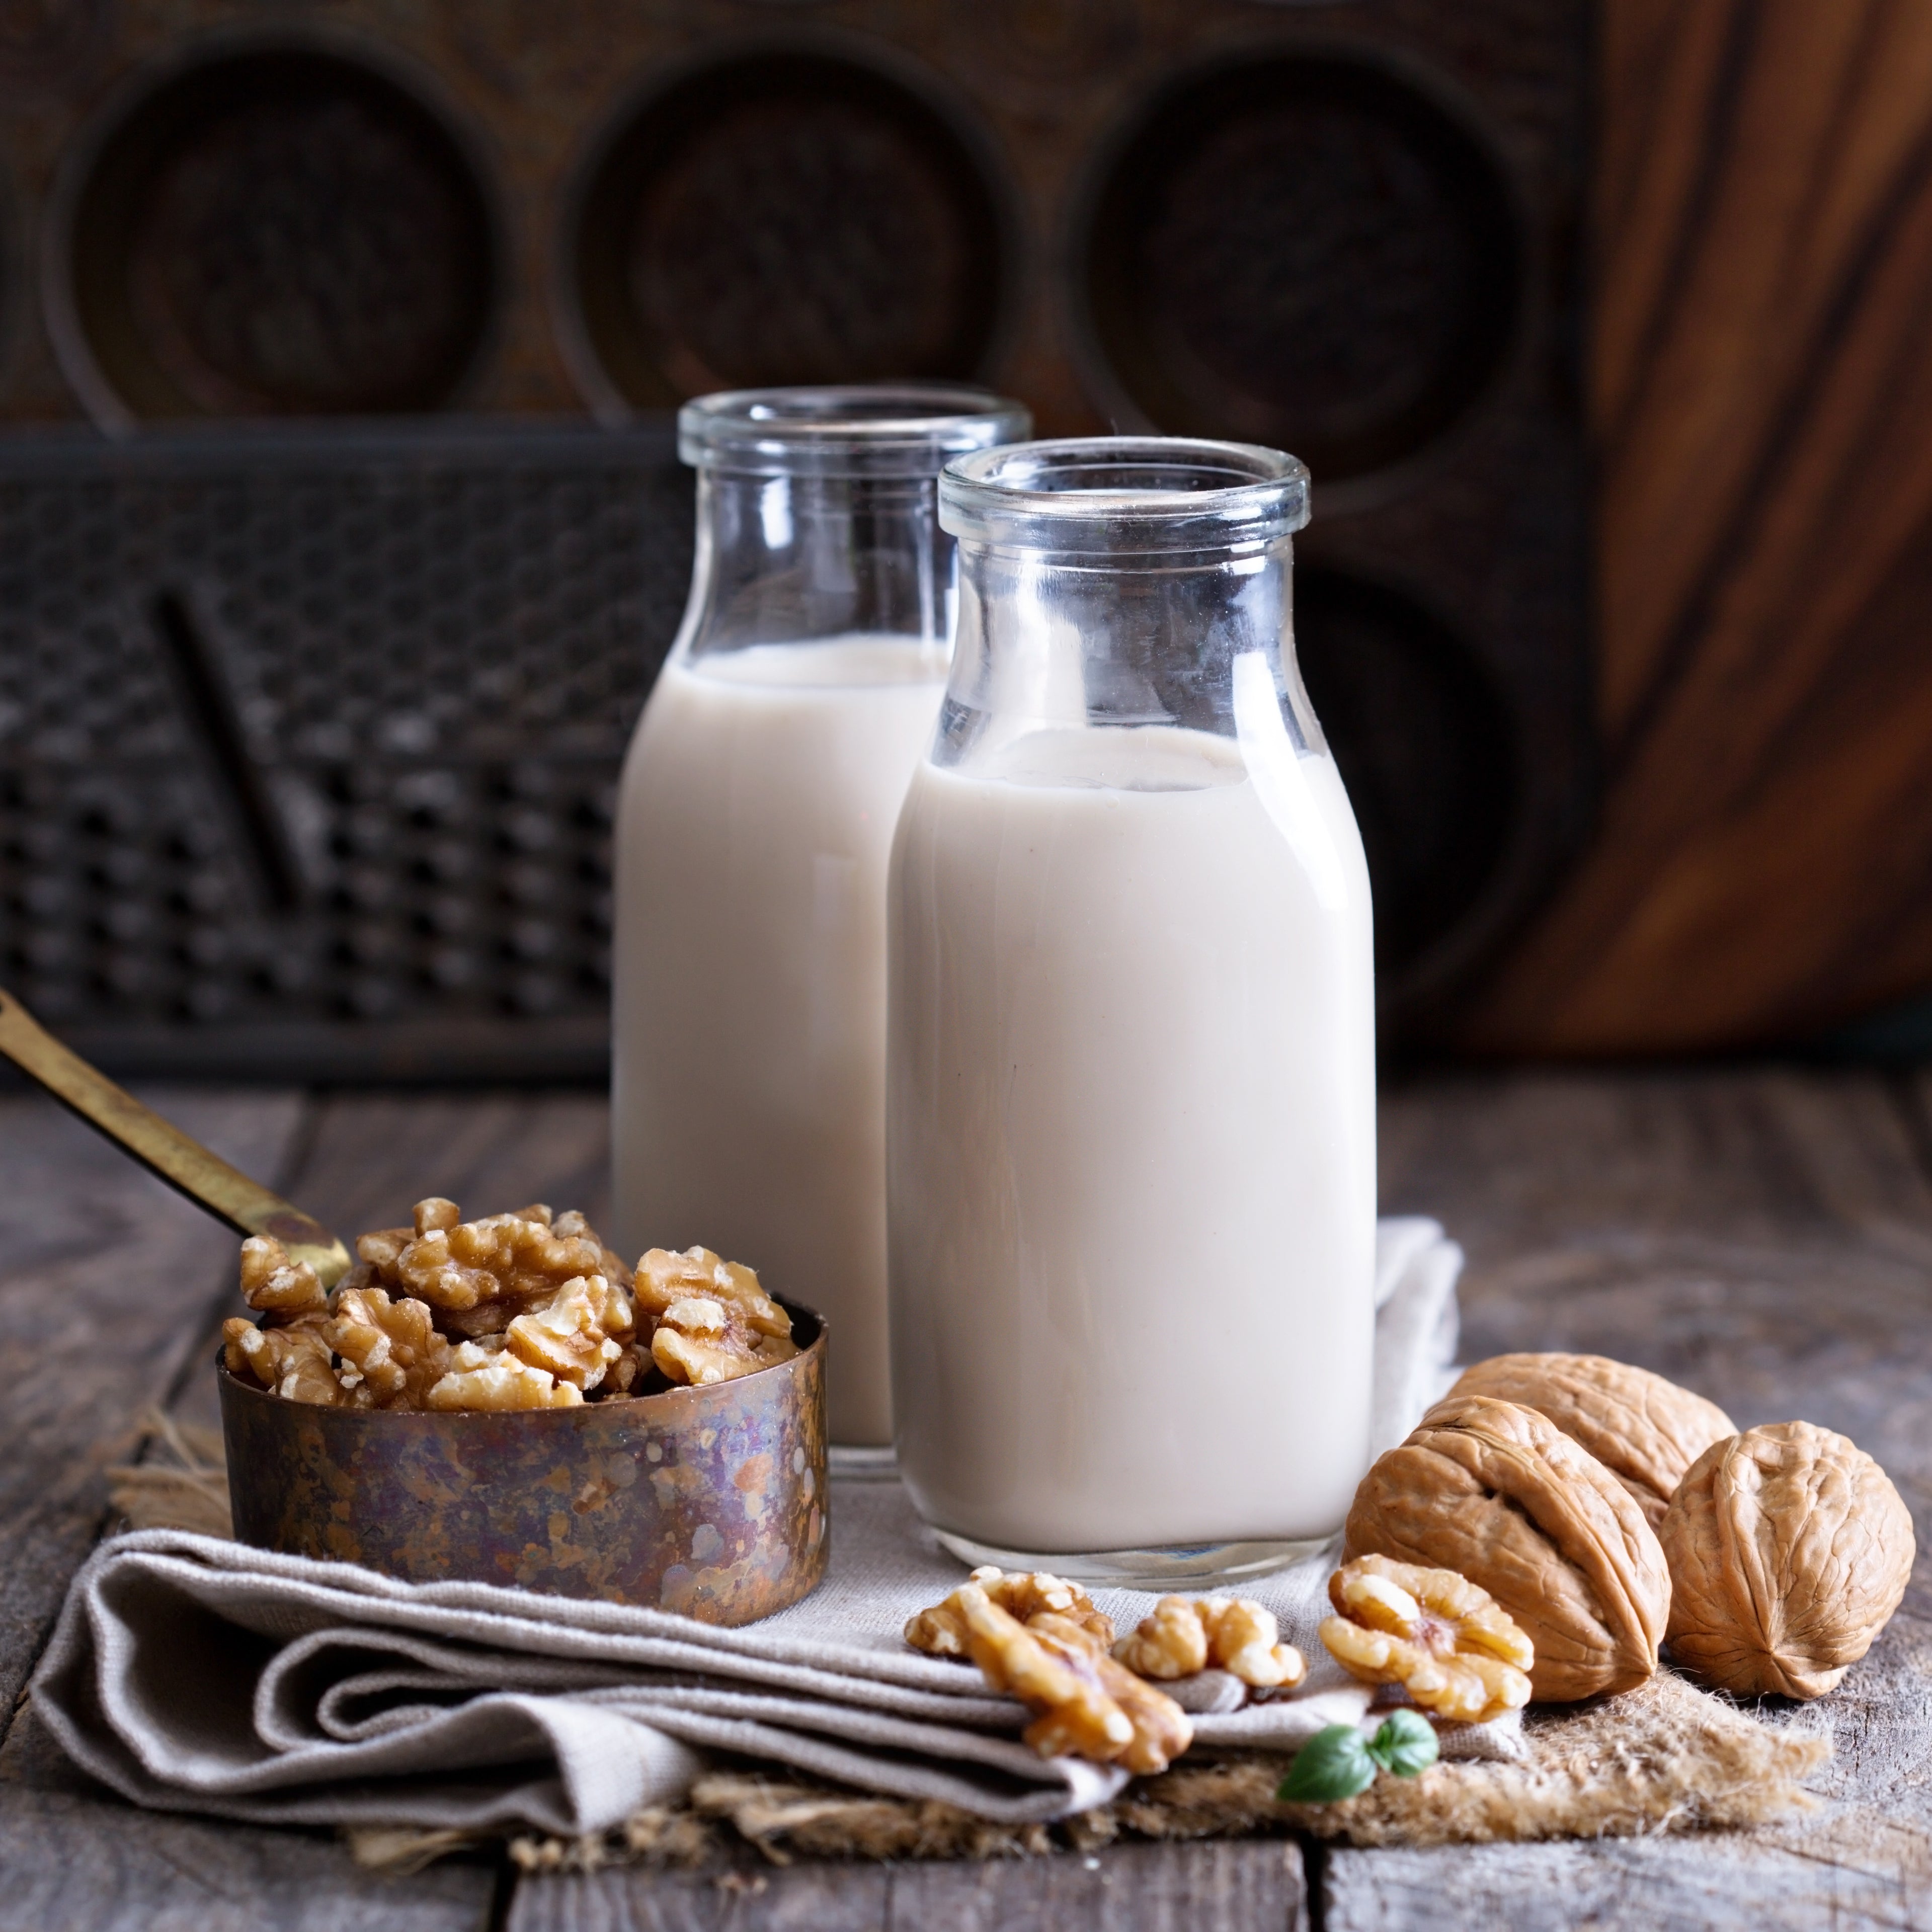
[753, 831]
[1131, 1146]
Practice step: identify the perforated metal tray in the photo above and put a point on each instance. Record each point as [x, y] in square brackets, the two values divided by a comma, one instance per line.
[309, 739]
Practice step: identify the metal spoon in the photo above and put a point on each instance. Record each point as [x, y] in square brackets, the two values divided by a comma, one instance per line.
[161, 1147]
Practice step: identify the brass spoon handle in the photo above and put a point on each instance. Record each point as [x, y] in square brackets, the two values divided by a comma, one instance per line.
[160, 1146]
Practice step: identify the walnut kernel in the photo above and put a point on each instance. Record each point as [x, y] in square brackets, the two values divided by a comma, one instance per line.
[713, 1321]
[664, 1276]
[1186, 1634]
[292, 1362]
[482, 1376]
[390, 1348]
[1446, 1642]
[435, 1214]
[1086, 1705]
[272, 1284]
[940, 1631]
[520, 1310]
[570, 1335]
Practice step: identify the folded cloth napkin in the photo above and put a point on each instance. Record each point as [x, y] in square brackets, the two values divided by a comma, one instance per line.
[190, 1672]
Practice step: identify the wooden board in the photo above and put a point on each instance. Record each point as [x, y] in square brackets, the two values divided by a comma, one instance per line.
[1659, 1884]
[370, 1156]
[1214, 1888]
[1762, 407]
[75, 1857]
[1765, 1236]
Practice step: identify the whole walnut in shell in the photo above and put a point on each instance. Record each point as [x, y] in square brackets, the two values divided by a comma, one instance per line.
[1788, 1551]
[1500, 1495]
[1644, 1430]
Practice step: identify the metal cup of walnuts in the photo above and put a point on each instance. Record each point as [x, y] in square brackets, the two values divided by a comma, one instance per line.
[503, 1400]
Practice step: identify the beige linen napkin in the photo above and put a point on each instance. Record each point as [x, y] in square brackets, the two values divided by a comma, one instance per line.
[191, 1672]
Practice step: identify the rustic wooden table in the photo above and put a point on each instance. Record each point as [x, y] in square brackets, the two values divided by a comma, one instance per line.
[1765, 1236]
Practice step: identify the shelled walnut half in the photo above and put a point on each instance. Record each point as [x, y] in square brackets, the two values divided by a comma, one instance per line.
[713, 1320]
[1085, 1704]
[293, 1361]
[940, 1631]
[1788, 1549]
[1449, 1644]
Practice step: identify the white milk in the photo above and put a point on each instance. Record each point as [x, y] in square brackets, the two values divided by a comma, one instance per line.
[1131, 1140]
[749, 1002]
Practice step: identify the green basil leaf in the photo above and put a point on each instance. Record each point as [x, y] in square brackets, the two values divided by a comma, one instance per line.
[1334, 1763]
[1405, 1745]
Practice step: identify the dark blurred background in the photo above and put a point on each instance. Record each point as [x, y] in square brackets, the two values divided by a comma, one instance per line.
[341, 532]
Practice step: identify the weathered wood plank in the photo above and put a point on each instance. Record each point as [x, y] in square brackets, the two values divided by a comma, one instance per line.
[1253, 1887]
[106, 1280]
[77, 1860]
[157, 1276]
[372, 1155]
[1659, 1884]
[1764, 1237]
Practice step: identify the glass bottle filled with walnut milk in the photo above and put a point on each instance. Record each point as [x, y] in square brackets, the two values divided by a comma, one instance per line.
[753, 831]
[1131, 1075]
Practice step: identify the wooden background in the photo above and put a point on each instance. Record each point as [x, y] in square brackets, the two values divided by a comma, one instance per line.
[1762, 396]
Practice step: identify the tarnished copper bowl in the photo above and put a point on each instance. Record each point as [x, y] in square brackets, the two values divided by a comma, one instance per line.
[708, 1501]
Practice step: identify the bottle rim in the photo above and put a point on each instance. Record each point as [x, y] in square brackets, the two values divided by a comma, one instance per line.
[1124, 494]
[849, 429]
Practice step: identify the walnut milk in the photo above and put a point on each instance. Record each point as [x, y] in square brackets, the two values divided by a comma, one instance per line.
[1131, 1155]
[753, 829]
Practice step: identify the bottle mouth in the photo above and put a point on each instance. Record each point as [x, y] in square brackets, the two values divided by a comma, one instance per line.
[857, 429]
[1124, 494]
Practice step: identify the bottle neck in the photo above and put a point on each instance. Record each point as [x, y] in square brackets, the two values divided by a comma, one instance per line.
[798, 559]
[1049, 642]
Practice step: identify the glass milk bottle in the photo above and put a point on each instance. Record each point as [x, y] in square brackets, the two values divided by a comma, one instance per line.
[753, 827]
[1131, 1138]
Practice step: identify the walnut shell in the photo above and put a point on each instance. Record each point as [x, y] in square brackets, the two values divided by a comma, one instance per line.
[1788, 1551]
[1644, 1430]
[1499, 1494]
